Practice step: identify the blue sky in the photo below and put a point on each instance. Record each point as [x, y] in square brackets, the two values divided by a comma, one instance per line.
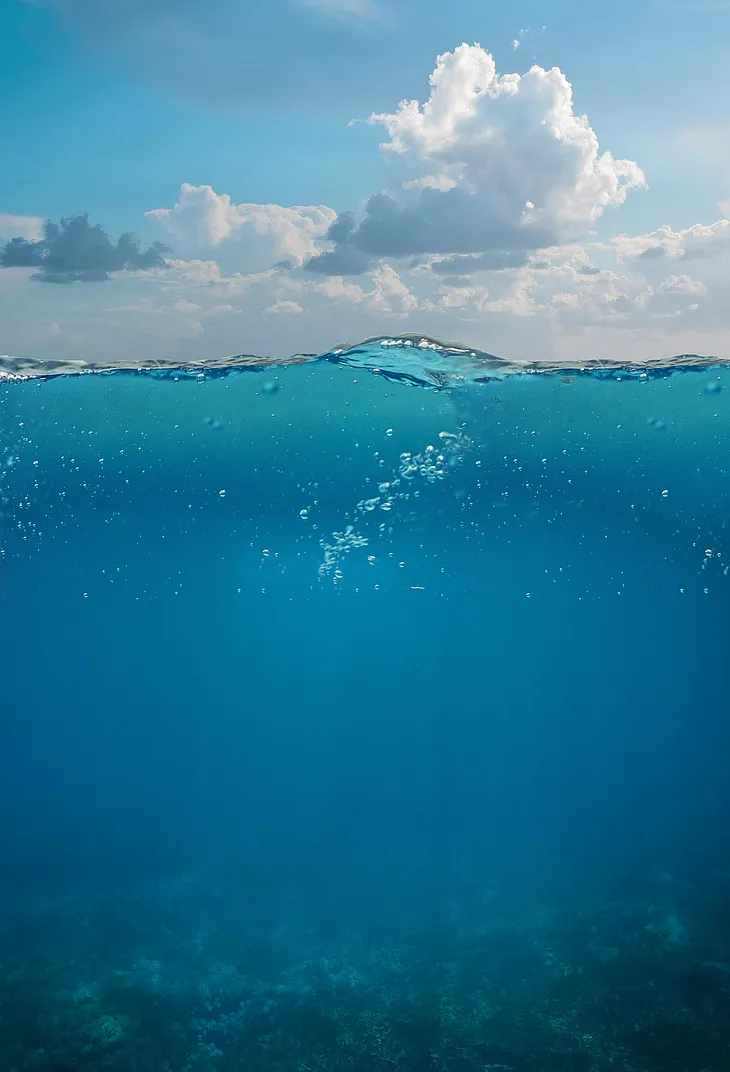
[110, 106]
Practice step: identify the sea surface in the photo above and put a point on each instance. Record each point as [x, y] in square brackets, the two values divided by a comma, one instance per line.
[367, 712]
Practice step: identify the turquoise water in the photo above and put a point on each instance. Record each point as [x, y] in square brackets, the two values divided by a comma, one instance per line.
[361, 714]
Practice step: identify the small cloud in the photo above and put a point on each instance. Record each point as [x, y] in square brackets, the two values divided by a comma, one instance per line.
[565, 300]
[458, 281]
[28, 227]
[495, 260]
[431, 182]
[682, 284]
[75, 251]
[654, 253]
[284, 307]
[527, 32]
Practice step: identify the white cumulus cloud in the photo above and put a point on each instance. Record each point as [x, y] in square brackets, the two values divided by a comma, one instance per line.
[488, 162]
[698, 241]
[682, 284]
[203, 216]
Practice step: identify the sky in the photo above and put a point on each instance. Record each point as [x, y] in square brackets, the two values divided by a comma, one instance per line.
[183, 180]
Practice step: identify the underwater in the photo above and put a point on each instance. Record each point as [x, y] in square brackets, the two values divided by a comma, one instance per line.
[366, 711]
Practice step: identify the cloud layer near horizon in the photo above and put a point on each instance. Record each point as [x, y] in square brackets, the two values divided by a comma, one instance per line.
[485, 226]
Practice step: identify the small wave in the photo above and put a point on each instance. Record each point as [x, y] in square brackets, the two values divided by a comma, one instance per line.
[414, 360]
[420, 361]
[29, 368]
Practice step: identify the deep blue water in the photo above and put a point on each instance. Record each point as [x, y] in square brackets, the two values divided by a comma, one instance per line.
[456, 798]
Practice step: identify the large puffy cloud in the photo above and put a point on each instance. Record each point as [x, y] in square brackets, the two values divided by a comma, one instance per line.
[488, 163]
[204, 217]
[76, 251]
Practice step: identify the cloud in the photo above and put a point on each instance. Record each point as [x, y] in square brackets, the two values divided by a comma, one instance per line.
[284, 307]
[75, 251]
[344, 259]
[526, 32]
[565, 302]
[389, 295]
[206, 218]
[496, 260]
[430, 182]
[487, 163]
[682, 284]
[697, 242]
[29, 227]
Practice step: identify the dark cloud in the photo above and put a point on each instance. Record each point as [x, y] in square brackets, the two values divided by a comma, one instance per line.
[343, 228]
[342, 260]
[453, 222]
[443, 221]
[345, 258]
[589, 269]
[653, 253]
[75, 251]
[496, 260]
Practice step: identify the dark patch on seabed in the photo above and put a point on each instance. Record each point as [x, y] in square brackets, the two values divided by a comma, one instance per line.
[351, 727]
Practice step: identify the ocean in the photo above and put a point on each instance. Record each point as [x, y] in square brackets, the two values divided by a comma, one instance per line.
[365, 712]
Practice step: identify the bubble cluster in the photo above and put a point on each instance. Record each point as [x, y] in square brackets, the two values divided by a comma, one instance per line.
[344, 542]
[430, 465]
